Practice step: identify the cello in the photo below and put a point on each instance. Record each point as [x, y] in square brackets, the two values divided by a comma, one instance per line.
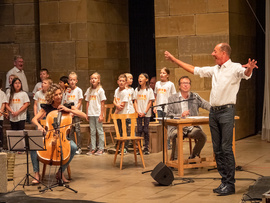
[57, 145]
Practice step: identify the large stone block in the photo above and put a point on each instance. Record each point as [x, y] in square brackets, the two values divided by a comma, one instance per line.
[184, 7]
[96, 31]
[96, 11]
[7, 34]
[95, 63]
[165, 44]
[82, 63]
[174, 26]
[24, 14]
[116, 14]
[122, 33]
[25, 33]
[7, 51]
[117, 50]
[97, 49]
[161, 8]
[7, 14]
[218, 6]
[212, 24]
[55, 32]
[3, 174]
[111, 64]
[58, 56]
[200, 44]
[72, 11]
[46, 9]
[203, 60]
[79, 31]
[81, 49]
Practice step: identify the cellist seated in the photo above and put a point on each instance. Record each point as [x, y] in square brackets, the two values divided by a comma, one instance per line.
[53, 98]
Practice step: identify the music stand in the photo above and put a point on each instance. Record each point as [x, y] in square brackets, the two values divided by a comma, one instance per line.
[26, 140]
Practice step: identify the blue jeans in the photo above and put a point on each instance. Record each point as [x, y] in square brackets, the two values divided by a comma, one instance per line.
[95, 127]
[35, 162]
[221, 125]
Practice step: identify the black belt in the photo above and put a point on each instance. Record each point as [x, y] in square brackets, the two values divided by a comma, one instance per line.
[218, 108]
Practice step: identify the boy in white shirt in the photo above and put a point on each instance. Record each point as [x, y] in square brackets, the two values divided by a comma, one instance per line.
[76, 96]
[43, 74]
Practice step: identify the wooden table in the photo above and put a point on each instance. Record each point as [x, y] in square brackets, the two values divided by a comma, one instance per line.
[181, 164]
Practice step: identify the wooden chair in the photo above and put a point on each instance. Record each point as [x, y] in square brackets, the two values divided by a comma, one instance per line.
[121, 140]
[108, 125]
[43, 123]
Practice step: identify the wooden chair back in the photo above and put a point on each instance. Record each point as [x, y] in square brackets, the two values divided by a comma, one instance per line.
[108, 112]
[133, 117]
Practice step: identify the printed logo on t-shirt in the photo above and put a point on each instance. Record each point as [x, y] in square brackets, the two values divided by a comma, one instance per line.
[92, 97]
[162, 91]
[71, 97]
[117, 99]
[141, 97]
[16, 101]
[42, 101]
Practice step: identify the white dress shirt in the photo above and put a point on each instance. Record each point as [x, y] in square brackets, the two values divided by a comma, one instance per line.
[225, 81]
[21, 76]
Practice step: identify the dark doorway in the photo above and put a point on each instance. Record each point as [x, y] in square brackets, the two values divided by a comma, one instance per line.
[142, 38]
[260, 73]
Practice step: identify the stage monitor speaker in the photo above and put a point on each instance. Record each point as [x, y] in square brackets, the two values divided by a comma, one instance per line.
[162, 174]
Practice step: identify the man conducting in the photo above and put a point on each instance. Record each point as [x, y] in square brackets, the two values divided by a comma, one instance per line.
[226, 76]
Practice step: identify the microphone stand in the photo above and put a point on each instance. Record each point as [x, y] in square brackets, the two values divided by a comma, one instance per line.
[163, 124]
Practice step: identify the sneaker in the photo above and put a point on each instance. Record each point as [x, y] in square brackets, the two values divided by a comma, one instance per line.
[146, 151]
[99, 152]
[91, 152]
[79, 151]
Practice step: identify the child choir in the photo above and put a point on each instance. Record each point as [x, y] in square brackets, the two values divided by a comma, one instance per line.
[126, 100]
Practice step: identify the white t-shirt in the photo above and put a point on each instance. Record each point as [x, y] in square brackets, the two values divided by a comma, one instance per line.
[143, 97]
[40, 98]
[131, 97]
[37, 87]
[19, 99]
[74, 96]
[163, 91]
[3, 99]
[20, 74]
[122, 96]
[94, 97]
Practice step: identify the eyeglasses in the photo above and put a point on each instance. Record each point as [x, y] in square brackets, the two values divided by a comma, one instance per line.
[185, 83]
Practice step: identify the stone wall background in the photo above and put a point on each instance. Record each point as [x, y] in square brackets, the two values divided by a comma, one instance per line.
[190, 29]
[93, 35]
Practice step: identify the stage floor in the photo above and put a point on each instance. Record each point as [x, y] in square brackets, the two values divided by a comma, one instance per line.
[96, 179]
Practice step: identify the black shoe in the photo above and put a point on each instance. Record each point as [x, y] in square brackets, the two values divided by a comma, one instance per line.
[226, 190]
[218, 189]
[146, 151]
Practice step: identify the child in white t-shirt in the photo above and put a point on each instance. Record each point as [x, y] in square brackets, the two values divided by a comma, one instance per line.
[120, 101]
[10, 78]
[43, 74]
[95, 107]
[131, 93]
[144, 97]
[3, 101]
[39, 97]
[18, 101]
[75, 96]
[163, 90]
